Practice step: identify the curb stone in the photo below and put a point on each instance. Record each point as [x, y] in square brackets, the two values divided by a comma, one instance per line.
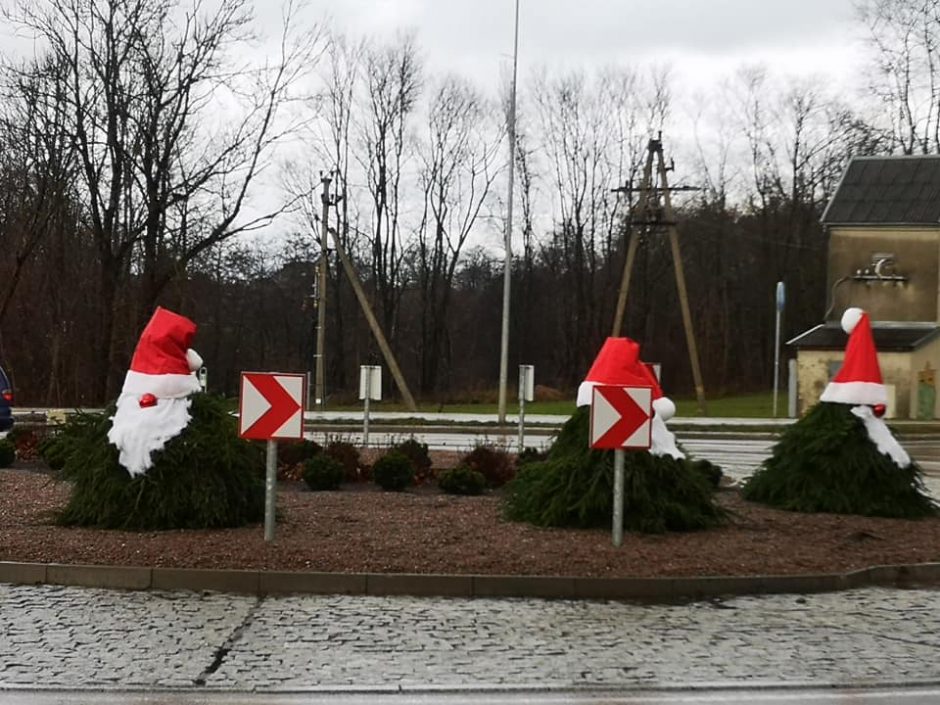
[260, 582]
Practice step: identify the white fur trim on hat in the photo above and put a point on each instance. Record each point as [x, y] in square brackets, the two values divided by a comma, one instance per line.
[664, 408]
[850, 318]
[585, 390]
[855, 393]
[161, 386]
[193, 359]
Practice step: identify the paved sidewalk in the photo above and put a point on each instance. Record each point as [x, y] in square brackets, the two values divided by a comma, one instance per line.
[63, 637]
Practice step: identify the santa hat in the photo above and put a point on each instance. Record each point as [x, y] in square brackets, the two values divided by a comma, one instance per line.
[858, 381]
[618, 363]
[163, 362]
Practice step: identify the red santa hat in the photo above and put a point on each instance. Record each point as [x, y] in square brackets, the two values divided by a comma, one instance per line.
[618, 363]
[858, 381]
[163, 362]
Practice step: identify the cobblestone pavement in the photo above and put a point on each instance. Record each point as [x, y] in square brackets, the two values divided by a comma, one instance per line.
[73, 637]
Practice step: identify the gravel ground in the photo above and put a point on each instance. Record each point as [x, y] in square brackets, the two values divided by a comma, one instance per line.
[362, 529]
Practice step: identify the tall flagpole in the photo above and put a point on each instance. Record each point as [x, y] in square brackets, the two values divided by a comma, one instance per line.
[507, 264]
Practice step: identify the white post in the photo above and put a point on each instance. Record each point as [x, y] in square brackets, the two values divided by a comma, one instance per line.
[365, 411]
[781, 298]
[521, 444]
[619, 459]
[270, 490]
[792, 388]
[526, 393]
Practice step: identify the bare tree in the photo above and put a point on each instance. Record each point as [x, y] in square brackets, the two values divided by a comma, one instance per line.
[36, 168]
[905, 39]
[392, 87]
[591, 129]
[164, 174]
[458, 167]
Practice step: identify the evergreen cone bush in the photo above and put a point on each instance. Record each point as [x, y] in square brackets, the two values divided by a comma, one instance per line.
[573, 487]
[7, 453]
[206, 477]
[55, 448]
[825, 462]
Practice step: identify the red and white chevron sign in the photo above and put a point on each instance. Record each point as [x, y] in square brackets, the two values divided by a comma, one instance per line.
[620, 417]
[271, 406]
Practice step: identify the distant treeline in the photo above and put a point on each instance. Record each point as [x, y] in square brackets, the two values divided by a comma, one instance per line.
[132, 147]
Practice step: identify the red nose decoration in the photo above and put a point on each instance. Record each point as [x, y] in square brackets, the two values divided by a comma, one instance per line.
[879, 410]
[147, 400]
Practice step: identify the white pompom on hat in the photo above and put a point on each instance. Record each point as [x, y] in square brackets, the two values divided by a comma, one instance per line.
[851, 318]
[664, 408]
[859, 379]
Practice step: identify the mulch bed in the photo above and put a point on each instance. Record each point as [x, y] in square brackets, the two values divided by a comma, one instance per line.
[362, 529]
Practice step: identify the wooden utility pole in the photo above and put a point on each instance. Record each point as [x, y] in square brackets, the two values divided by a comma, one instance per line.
[373, 321]
[319, 395]
[651, 194]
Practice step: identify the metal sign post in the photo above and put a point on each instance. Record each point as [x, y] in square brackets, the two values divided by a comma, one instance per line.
[271, 407]
[370, 387]
[620, 419]
[780, 303]
[526, 393]
[270, 489]
[619, 462]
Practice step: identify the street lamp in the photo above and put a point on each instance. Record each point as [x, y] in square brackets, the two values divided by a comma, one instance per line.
[507, 263]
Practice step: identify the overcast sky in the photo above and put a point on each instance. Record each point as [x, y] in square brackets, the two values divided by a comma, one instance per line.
[701, 39]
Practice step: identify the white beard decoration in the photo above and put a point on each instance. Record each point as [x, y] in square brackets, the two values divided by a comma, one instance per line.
[139, 431]
[881, 436]
[664, 440]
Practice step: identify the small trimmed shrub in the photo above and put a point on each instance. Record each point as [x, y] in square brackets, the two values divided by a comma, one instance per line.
[348, 456]
[297, 453]
[417, 453]
[530, 455]
[291, 458]
[7, 453]
[393, 472]
[495, 465]
[462, 480]
[26, 441]
[321, 472]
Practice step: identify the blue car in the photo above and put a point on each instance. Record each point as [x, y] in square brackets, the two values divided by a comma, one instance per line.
[6, 402]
